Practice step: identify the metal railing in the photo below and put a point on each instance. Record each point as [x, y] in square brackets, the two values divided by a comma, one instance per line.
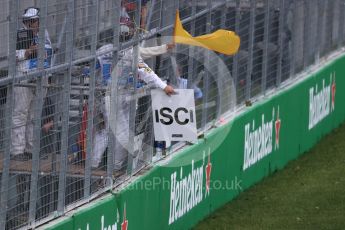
[69, 130]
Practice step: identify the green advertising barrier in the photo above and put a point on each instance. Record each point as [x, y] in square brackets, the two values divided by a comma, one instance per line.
[67, 223]
[230, 159]
[102, 214]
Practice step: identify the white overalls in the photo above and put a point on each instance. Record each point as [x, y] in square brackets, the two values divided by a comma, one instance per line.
[124, 67]
[23, 111]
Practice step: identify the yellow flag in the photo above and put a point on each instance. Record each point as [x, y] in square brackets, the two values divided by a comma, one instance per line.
[222, 41]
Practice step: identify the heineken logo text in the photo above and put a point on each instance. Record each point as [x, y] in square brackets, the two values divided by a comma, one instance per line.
[103, 225]
[321, 101]
[186, 191]
[258, 141]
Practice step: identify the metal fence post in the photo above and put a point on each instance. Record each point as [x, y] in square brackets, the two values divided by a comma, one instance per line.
[280, 41]
[149, 144]
[91, 98]
[307, 34]
[265, 51]
[13, 25]
[191, 50]
[38, 105]
[113, 91]
[341, 23]
[66, 104]
[250, 49]
[237, 29]
[133, 102]
[318, 39]
[206, 79]
[293, 39]
[220, 79]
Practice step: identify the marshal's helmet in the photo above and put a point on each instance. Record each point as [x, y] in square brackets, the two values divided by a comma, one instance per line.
[31, 13]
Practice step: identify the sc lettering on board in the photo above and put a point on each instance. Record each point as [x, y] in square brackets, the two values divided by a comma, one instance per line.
[174, 116]
[167, 116]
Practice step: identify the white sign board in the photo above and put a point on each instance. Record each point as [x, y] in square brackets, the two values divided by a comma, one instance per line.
[174, 116]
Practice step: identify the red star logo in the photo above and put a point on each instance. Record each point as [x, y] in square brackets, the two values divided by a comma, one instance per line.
[333, 93]
[124, 224]
[208, 174]
[277, 126]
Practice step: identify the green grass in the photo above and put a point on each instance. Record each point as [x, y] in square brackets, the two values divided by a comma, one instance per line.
[308, 194]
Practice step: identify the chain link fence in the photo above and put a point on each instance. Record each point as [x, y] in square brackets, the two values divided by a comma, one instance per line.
[75, 110]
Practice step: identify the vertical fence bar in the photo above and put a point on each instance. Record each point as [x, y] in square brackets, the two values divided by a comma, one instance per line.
[343, 22]
[149, 128]
[280, 40]
[191, 50]
[91, 98]
[237, 29]
[206, 79]
[265, 51]
[330, 24]
[192, 73]
[314, 34]
[133, 102]
[170, 20]
[38, 105]
[13, 25]
[334, 15]
[250, 49]
[57, 58]
[326, 36]
[322, 4]
[335, 24]
[307, 34]
[293, 38]
[319, 23]
[325, 10]
[340, 24]
[220, 70]
[116, 8]
[66, 104]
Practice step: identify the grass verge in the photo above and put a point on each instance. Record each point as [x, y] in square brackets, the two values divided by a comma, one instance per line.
[308, 194]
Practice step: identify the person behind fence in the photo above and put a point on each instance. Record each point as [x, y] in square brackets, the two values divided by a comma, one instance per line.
[23, 111]
[132, 6]
[182, 83]
[125, 82]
